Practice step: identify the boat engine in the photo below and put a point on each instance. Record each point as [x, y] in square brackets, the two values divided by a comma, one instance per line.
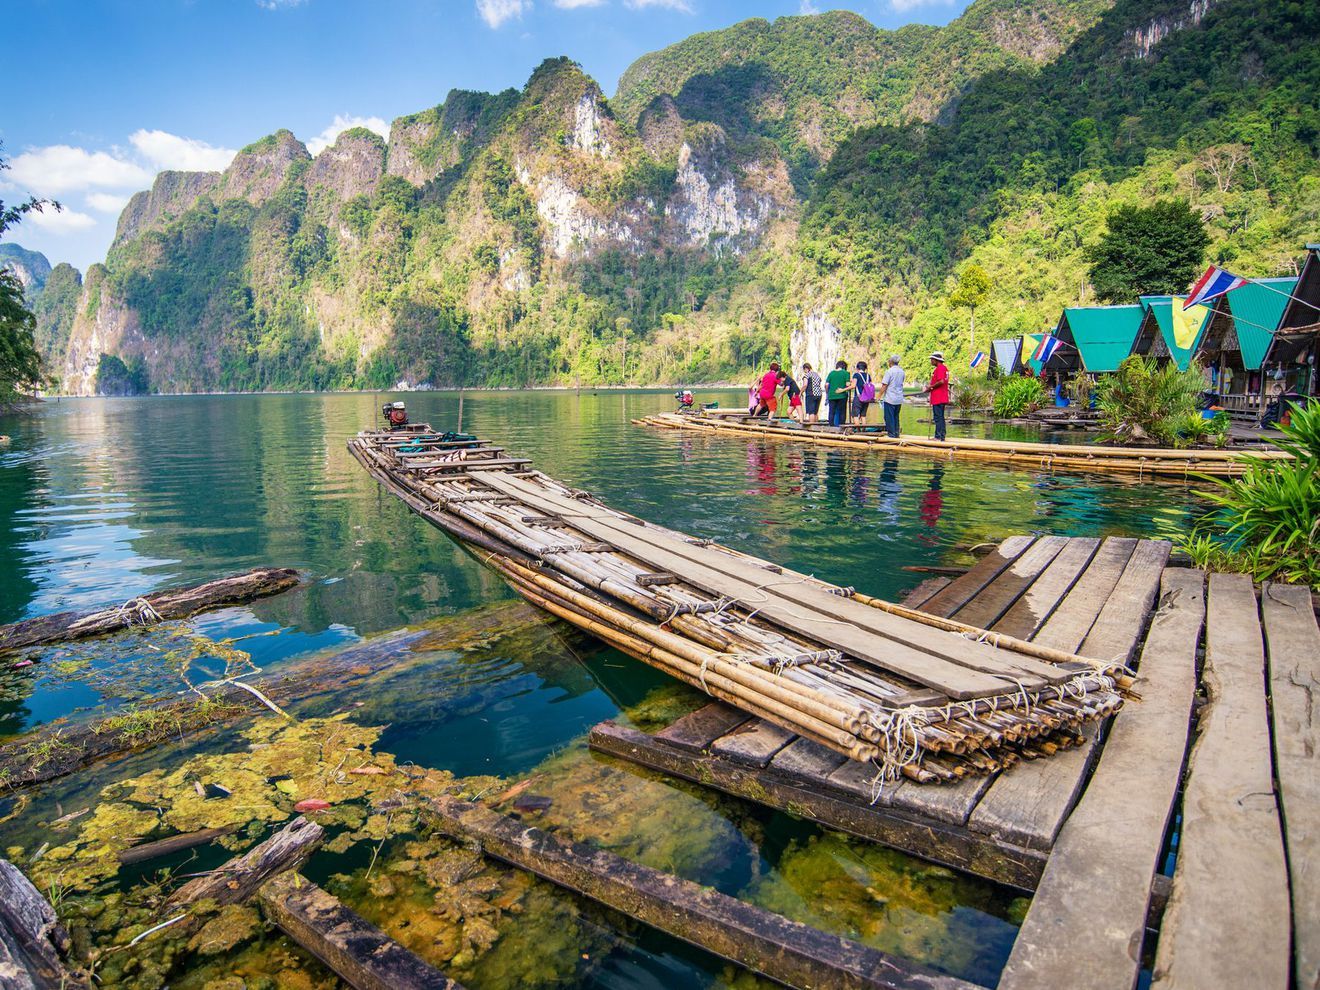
[685, 399]
[396, 415]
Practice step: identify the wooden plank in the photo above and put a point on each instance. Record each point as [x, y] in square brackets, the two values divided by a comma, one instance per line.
[1068, 627]
[1038, 601]
[942, 802]
[924, 592]
[943, 660]
[754, 938]
[697, 730]
[805, 759]
[816, 800]
[1230, 853]
[1294, 677]
[753, 743]
[32, 940]
[240, 878]
[964, 589]
[1087, 922]
[1027, 806]
[998, 596]
[359, 952]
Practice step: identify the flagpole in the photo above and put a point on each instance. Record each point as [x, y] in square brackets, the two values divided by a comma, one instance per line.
[1280, 292]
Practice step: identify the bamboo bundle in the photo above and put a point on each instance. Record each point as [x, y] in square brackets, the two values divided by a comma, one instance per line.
[1155, 463]
[583, 562]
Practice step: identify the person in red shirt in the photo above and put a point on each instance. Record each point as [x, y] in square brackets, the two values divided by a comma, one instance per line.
[938, 392]
[769, 386]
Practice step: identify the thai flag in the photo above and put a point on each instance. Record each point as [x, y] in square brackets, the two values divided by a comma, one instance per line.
[1045, 349]
[1213, 284]
[976, 361]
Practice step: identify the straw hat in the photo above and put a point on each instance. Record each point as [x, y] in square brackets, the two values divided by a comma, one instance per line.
[937, 356]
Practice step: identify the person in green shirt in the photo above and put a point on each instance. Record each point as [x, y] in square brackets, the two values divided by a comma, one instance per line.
[837, 384]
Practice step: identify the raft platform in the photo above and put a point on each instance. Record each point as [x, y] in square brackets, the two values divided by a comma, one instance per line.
[1087, 825]
[1152, 463]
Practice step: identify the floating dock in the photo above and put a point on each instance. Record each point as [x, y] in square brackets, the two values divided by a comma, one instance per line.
[1231, 782]
[898, 691]
[1154, 463]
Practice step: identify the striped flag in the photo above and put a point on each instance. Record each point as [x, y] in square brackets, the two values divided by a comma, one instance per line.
[976, 361]
[1045, 350]
[1213, 284]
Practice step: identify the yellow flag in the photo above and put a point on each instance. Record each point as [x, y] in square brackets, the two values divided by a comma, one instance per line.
[1186, 322]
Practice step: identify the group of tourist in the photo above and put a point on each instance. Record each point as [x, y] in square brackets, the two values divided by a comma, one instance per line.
[849, 395]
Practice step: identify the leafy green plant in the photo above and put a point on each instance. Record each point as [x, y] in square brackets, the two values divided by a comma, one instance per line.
[1015, 396]
[975, 393]
[1079, 389]
[1267, 521]
[1144, 402]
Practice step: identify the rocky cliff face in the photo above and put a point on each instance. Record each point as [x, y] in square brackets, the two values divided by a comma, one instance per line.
[352, 166]
[1144, 39]
[720, 205]
[169, 196]
[31, 267]
[258, 171]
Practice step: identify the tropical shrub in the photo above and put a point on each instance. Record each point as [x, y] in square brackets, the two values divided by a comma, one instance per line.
[1267, 521]
[1144, 402]
[1018, 395]
[975, 393]
[1079, 388]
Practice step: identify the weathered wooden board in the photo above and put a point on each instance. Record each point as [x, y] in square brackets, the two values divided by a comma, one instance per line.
[753, 743]
[1068, 627]
[697, 730]
[359, 952]
[1038, 601]
[925, 591]
[998, 596]
[1230, 856]
[1087, 922]
[32, 940]
[1294, 676]
[761, 941]
[238, 880]
[960, 591]
[834, 806]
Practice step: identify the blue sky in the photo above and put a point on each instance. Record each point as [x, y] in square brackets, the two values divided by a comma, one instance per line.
[105, 93]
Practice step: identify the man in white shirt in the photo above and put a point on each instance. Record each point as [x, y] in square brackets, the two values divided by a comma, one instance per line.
[891, 395]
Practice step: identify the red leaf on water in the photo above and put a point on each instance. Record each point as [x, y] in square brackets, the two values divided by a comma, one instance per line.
[311, 804]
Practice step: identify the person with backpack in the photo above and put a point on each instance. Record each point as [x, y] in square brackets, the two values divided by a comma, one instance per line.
[891, 395]
[863, 389]
[812, 392]
[836, 392]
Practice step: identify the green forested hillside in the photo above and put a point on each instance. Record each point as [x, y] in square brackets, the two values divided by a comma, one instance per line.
[741, 184]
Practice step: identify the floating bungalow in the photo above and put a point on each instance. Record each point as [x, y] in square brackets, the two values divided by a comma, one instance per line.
[1237, 337]
[1006, 356]
[1095, 339]
[1296, 341]
[1167, 333]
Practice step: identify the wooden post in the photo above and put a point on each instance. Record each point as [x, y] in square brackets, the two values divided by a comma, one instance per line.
[787, 951]
[360, 953]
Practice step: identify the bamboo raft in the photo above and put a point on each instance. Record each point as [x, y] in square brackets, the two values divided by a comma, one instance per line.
[1154, 463]
[926, 698]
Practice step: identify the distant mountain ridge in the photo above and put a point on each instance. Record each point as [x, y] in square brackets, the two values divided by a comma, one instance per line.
[799, 186]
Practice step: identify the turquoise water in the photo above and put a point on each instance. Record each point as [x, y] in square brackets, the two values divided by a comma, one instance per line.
[103, 500]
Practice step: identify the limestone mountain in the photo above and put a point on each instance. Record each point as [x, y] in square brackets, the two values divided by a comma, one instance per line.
[802, 186]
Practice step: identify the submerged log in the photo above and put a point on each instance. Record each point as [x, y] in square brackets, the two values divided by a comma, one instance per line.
[759, 940]
[240, 878]
[359, 953]
[174, 603]
[32, 940]
[175, 843]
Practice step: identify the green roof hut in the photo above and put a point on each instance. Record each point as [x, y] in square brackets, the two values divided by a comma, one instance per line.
[1237, 336]
[1295, 348]
[1005, 356]
[1167, 333]
[1095, 339]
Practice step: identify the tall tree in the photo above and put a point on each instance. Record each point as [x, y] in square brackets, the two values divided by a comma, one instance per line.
[1148, 250]
[972, 289]
[20, 362]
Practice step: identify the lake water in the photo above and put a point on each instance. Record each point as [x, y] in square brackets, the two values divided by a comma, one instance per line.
[104, 500]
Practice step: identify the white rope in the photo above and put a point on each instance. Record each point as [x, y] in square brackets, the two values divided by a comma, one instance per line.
[138, 609]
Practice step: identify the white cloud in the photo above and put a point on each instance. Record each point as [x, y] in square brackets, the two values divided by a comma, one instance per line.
[496, 12]
[58, 222]
[905, 6]
[169, 151]
[808, 9]
[106, 202]
[341, 123]
[59, 168]
[682, 6]
[575, 4]
[279, 4]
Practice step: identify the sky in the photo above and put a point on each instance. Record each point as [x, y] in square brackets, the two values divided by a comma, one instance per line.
[103, 94]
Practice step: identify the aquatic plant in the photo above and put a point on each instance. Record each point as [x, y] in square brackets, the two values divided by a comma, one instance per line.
[974, 393]
[1267, 522]
[1017, 395]
[1145, 402]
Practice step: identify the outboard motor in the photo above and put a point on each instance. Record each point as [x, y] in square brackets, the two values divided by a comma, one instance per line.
[396, 415]
[685, 399]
